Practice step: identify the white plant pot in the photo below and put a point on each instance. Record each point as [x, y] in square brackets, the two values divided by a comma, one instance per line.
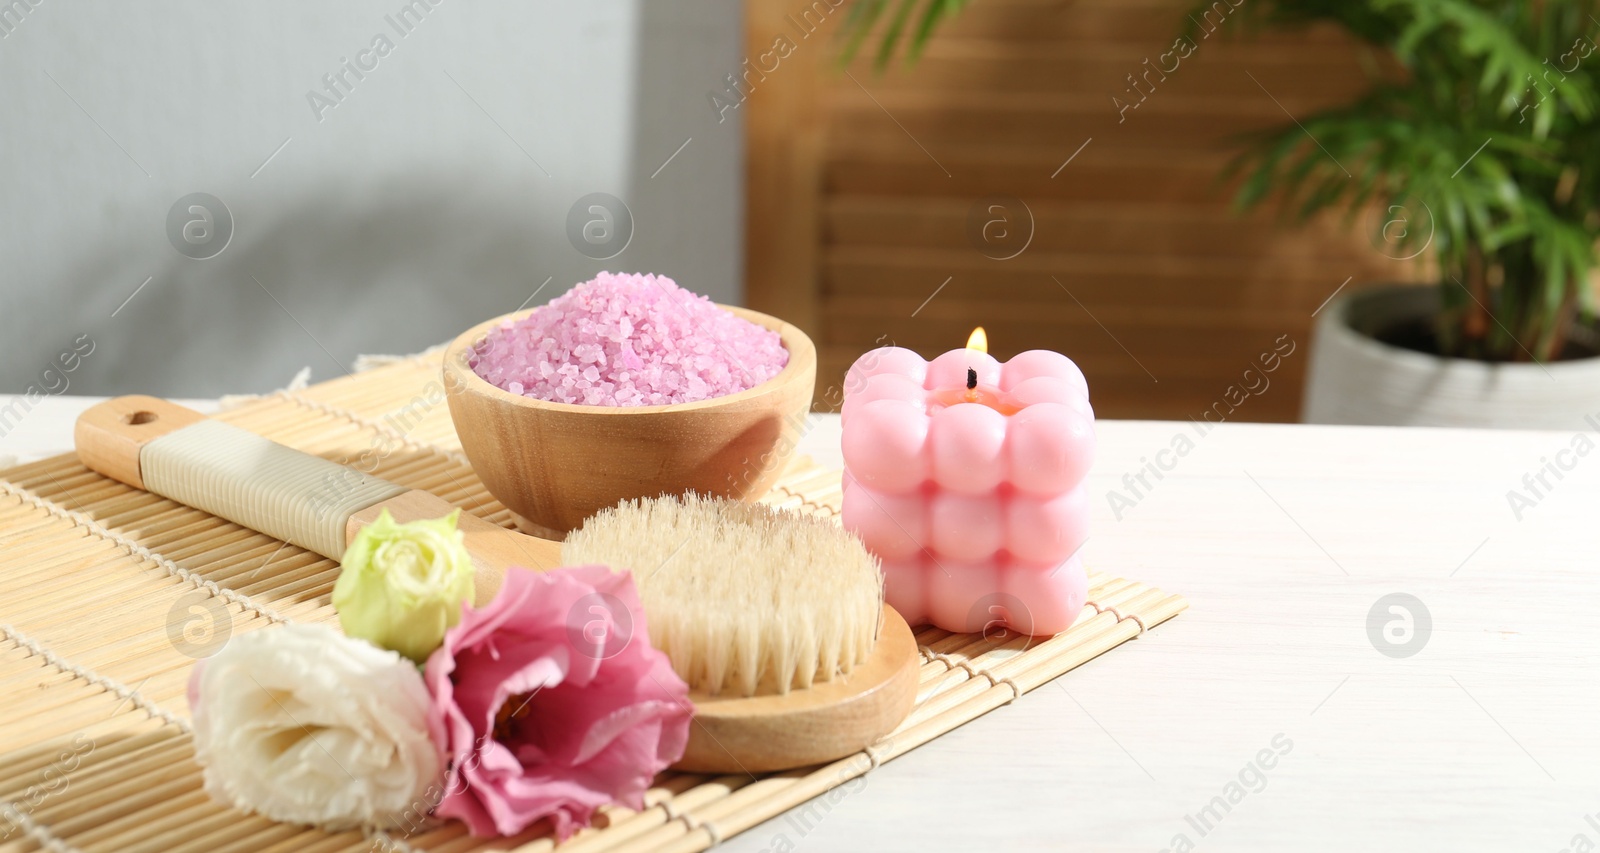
[1354, 379]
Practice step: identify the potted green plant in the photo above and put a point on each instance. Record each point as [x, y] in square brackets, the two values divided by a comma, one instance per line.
[1477, 146]
[1481, 153]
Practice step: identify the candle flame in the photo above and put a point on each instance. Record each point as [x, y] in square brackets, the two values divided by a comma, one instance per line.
[978, 341]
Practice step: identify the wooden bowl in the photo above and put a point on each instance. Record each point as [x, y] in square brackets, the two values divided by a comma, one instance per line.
[555, 464]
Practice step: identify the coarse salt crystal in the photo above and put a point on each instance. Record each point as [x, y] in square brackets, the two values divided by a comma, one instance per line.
[629, 340]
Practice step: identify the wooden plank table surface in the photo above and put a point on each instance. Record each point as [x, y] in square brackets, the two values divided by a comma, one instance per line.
[1275, 714]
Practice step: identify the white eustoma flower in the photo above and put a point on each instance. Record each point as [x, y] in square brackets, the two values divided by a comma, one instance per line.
[306, 725]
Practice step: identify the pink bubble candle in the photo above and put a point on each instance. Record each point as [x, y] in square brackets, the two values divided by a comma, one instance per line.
[966, 477]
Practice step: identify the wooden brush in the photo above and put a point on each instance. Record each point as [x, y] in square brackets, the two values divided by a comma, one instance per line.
[760, 600]
[802, 681]
[775, 620]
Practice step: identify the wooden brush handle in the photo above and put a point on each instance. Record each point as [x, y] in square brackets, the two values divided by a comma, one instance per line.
[109, 435]
[171, 451]
[166, 449]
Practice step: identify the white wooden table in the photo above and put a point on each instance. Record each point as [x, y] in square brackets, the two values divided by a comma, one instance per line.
[1283, 538]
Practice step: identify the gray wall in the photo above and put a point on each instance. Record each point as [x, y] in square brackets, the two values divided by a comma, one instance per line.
[434, 195]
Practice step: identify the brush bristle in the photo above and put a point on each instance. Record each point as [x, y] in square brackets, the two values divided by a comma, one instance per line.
[742, 598]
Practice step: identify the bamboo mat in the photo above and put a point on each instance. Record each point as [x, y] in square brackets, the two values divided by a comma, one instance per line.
[108, 594]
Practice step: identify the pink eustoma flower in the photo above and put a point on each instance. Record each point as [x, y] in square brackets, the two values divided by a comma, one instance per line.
[549, 702]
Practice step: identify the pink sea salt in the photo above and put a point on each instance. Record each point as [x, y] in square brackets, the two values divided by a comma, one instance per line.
[624, 339]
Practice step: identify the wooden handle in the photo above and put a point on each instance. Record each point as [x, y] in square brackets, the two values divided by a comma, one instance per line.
[166, 449]
[229, 472]
[110, 435]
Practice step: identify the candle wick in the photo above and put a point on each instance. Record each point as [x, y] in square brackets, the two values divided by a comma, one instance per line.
[972, 379]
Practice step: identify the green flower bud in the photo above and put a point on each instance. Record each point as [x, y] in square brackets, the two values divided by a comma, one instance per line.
[402, 585]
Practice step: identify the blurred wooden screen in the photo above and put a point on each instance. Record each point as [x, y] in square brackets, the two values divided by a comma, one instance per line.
[863, 187]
